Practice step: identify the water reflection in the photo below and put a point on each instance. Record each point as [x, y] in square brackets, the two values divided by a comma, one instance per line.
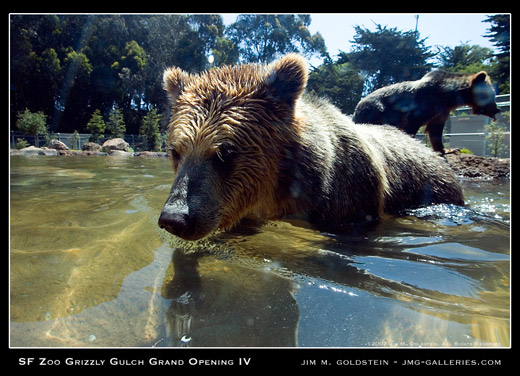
[449, 284]
[215, 303]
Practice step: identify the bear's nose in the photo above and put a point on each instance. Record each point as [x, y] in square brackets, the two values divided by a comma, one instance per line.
[176, 223]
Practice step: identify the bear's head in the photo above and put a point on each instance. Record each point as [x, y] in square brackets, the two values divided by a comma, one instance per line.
[227, 133]
[483, 95]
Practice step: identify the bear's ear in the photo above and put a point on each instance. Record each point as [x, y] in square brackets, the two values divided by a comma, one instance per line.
[174, 80]
[287, 78]
[480, 78]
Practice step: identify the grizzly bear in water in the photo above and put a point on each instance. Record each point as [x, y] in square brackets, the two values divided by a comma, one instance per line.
[410, 105]
[245, 142]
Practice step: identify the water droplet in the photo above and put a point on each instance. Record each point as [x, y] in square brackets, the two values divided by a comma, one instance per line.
[184, 341]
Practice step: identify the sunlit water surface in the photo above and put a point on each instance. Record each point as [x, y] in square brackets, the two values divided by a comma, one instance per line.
[90, 268]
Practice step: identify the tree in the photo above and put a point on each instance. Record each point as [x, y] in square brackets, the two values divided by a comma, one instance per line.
[32, 123]
[85, 62]
[500, 32]
[496, 135]
[225, 52]
[96, 126]
[116, 124]
[500, 35]
[263, 38]
[75, 140]
[387, 56]
[339, 82]
[150, 131]
[465, 58]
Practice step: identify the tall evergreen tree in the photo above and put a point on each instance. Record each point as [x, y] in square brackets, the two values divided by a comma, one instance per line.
[150, 131]
[387, 55]
[500, 34]
[96, 125]
[116, 124]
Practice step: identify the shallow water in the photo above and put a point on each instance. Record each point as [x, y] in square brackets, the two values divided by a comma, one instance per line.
[89, 267]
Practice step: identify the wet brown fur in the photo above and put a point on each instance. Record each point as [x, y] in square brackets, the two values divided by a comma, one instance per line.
[245, 142]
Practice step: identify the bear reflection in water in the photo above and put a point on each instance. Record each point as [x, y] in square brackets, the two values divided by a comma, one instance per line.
[210, 307]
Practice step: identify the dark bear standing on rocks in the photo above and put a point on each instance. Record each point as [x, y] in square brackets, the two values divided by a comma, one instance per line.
[428, 101]
[245, 142]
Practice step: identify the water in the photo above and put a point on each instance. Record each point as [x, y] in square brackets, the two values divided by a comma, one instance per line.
[89, 267]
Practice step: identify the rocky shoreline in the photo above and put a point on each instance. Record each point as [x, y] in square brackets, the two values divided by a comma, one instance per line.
[31, 150]
[111, 147]
[464, 165]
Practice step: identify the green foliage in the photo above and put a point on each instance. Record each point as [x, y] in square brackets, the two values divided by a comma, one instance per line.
[500, 35]
[63, 66]
[66, 65]
[21, 143]
[465, 58]
[225, 52]
[32, 123]
[96, 126]
[135, 56]
[496, 134]
[339, 82]
[387, 55]
[116, 124]
[150, 132]
[263, 38]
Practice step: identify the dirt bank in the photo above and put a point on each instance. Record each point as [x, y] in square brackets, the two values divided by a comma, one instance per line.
[477, 167]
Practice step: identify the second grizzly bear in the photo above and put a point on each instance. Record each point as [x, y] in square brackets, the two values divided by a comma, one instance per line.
[245, 142]
[410, 105]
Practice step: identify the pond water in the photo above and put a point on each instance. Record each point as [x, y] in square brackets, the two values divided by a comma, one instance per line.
[89, 267]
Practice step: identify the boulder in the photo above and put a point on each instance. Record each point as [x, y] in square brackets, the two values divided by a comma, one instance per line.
[32, 150]
[91, 146]
[58, 145]
[115, 144]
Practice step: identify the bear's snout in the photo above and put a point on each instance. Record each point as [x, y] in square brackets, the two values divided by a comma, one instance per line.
[175, 222]
[191, 211]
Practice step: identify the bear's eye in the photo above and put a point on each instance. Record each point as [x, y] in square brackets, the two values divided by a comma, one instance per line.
[225, 153]
[173, 154]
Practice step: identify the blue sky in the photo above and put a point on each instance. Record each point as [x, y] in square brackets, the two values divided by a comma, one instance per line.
[442, 29]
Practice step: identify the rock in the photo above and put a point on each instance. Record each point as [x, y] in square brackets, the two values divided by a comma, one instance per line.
[115, 144]
[119, 153]
[32, 150]
[15, 152]
[58, 145]
[91, 146]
